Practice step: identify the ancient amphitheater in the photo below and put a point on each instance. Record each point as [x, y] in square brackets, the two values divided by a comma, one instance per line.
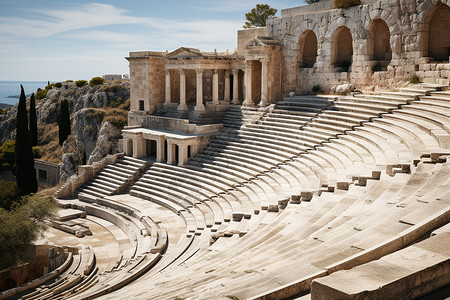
[234, 184]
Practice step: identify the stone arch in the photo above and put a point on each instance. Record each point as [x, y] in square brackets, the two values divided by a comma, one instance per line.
[378, 44]
[129, 150]
[307, 45]
[439, 33]
[342, 48]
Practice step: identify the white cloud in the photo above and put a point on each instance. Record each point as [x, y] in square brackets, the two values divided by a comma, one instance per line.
[60, 20]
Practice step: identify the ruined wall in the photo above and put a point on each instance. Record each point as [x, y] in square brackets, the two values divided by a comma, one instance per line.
[409, 29]
[147, 79]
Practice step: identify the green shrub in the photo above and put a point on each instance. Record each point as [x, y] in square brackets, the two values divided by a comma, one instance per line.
[95, 114]
[4, 111]
[69, 80]
[96, 81]
[9, 194]
[346, 3]
[41, 94]
[8, 155]
[117, 117]
[58, 84]
[80, 83]
[415, 79]
[317, 89]
[21, 226]
[37, 152]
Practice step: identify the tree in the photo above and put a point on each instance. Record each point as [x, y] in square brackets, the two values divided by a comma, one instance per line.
[84, 159]
[258, 16]
[311, 1]
[33, 122]
[20, 227]
[25, 172]
[64, 122]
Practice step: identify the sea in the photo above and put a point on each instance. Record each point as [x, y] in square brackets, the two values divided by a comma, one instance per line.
[12, 88]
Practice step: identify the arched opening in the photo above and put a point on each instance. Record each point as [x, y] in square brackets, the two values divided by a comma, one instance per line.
[165, 149]
[151, 148]
[439, 35]
[129, 150]
[379, 45]
[307, 46]
[177, 151]
[342, 49]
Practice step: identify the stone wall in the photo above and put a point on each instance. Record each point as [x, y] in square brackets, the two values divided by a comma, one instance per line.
[47, 173]
[409, 23]
[147, 77]
[85, 173]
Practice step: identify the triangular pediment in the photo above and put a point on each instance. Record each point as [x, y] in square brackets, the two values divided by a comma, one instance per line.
[262, 41]
[255, 42]
[184, 53]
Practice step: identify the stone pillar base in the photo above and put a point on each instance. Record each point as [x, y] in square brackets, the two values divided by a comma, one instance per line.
[182, 107]
[264, 103]
[200, 107]
[248, 103]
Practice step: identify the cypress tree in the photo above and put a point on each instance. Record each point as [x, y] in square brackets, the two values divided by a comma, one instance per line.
[64, 122]
[84, 160]
[25, 172]
[33, 122]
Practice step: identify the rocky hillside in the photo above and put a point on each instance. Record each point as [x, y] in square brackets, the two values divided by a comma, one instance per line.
[97, 115]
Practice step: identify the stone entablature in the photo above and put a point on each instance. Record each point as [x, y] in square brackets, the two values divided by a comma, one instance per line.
[167, 146]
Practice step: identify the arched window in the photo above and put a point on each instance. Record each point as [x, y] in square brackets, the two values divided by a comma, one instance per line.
[379, 45]
[439, 35]
[307, 45]
[342, 49]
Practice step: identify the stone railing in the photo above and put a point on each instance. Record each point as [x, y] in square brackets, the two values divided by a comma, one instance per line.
[85, 173]
[176, 125]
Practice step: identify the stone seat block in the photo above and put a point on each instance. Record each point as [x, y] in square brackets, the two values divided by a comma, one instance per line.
[112, 175]
[195, 175]
[158, 200]
[410, 273]
[166, 192]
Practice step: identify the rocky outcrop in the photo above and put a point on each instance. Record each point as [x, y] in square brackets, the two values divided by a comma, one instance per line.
[107, 142]
[88, 107]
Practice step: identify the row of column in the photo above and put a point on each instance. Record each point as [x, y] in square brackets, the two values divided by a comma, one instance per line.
[199, 97]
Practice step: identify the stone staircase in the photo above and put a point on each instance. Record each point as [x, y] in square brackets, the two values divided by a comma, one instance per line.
[289, 193]
[112, 179]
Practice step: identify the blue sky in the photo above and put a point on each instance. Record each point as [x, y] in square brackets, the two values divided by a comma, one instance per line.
[59, 40]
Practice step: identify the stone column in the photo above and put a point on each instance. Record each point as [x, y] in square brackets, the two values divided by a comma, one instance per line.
[236, 87]
[264, 82]
[139, 147]
[227, 86]
[248, 84]
[160, 157]
[199, 106]
[168, 98]
[170, 153]
[215, 87]
[182, 105]
[182, 154]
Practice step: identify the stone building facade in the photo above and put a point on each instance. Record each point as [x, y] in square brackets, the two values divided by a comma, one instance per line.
[371, 44]
[374, 44]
